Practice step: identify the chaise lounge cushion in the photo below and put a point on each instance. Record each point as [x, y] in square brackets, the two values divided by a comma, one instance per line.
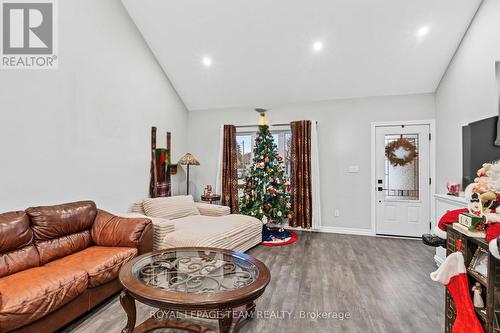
[35, 292]
[212, 210]
[101, 263]
[171, 208]
[161, 227]
[227, 232]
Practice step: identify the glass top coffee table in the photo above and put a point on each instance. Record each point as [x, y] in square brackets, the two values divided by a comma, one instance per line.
[204, 282]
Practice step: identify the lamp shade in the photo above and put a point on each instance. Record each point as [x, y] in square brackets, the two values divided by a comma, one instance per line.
[188, 159]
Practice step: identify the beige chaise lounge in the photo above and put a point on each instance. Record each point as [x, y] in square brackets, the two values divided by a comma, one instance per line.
[179, 221]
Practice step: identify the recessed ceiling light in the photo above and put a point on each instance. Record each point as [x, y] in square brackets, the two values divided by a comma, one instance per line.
[423, 31]
[207, 61]
[317, 46]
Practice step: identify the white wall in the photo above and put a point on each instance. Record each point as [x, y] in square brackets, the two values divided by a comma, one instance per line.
[344, 140]
[83, 131]
[468, 91]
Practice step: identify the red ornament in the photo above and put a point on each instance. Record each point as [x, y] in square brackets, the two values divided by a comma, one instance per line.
[266, 159]
[289, 216]
[267, 208]
[272, 190]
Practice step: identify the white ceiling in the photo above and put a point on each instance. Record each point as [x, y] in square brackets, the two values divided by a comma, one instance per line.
[262, 50]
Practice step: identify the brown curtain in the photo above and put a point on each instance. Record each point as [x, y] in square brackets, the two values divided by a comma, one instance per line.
[301, 174]
[229, 169]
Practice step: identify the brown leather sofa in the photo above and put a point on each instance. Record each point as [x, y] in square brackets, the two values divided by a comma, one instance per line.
[58, 262]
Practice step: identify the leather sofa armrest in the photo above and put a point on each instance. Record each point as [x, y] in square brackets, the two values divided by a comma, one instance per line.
[112, 230]
[212, 210]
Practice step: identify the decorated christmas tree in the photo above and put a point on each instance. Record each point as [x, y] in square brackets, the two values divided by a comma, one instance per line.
[266, 194]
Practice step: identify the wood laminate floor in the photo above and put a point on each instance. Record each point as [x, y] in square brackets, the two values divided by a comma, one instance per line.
[382, 283]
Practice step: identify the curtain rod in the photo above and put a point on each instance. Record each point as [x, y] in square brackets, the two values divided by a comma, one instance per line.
[243, 126]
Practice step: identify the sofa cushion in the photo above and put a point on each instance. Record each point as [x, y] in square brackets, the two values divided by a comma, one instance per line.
[62, 229]
[102, 264]
[112, 230]
[15, 232]
[49, 222]
[60, 247]
[171, 208]
[18, 260]
[34, 293]
[16, 249]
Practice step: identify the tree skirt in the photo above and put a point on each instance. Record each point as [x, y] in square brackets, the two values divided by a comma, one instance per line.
[274, 237]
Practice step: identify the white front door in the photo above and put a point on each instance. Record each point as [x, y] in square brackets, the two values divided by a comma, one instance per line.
[402, 191]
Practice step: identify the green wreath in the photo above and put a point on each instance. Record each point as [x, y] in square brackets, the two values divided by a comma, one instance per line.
[391, 148]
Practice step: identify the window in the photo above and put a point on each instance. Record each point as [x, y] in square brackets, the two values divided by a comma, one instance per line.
[402, 182]
[245, 144]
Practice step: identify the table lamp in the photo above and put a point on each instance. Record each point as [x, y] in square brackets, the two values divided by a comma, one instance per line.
[188, 160]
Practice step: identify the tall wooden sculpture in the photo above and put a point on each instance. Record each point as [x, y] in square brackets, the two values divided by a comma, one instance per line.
[160, 184]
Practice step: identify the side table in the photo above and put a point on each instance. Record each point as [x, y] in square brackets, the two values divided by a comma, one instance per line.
[211, 198]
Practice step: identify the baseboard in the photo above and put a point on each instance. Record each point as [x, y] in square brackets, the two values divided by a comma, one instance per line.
[350, 231]
[345, 231]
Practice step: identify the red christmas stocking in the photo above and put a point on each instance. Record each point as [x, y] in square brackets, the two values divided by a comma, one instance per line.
[452, 273]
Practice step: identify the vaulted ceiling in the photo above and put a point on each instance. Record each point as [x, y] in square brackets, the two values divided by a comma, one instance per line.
[229, 53]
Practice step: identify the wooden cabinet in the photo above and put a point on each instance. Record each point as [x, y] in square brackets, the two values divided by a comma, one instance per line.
[491, 287]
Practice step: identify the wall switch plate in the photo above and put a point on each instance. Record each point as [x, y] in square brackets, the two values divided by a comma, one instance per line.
[336, 213]
[353, 168]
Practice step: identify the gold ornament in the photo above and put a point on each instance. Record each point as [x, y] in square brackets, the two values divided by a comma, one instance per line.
[262, 116]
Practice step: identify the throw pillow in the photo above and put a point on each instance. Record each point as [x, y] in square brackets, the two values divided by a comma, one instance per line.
[171, 208]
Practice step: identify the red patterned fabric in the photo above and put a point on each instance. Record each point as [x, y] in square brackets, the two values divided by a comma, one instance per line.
[301, 174]
[229, 169]
[492, 231]
[450, 217]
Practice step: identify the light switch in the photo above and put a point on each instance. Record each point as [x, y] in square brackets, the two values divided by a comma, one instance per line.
[354, 169]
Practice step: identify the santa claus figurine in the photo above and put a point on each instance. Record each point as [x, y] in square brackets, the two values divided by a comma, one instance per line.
[438, 238]
[482, 201]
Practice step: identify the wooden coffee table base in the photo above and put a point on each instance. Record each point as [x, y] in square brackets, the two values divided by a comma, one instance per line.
[226, 319]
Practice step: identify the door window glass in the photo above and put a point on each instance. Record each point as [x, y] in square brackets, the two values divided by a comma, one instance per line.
[402, 181]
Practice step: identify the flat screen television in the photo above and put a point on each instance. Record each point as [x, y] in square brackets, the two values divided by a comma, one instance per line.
[478, 147]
